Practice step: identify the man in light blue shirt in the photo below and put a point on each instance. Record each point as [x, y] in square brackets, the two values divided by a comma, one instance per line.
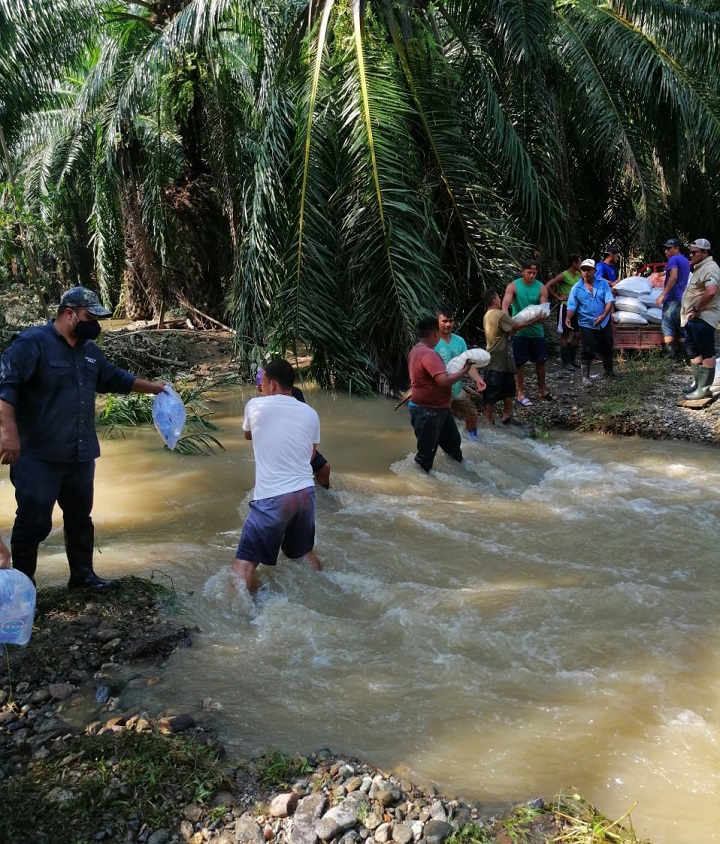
[449, 346]
[592, 299]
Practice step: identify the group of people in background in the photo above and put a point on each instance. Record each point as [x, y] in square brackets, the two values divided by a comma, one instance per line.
[50, 374]
[690, 301]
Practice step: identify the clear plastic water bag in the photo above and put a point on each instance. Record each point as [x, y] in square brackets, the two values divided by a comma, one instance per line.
[17, 607]
[169, 416]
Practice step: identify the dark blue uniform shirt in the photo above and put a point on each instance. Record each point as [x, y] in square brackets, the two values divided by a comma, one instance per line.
[52, 386]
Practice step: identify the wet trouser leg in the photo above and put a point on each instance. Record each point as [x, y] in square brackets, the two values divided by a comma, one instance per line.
[434, 427]
[39, 484]
[76, 502]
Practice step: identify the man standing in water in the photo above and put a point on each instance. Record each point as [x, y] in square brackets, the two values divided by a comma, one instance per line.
[284, 433]
[449, 346]
[49, 376]
[430, 398]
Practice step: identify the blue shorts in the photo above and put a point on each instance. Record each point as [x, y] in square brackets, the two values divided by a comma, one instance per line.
[671, 320]
[699, 338]
[284, 522]
[533, 349]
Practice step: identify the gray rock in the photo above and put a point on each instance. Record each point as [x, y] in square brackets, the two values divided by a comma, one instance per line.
[436, 832]
[186, 830]
[193, 812]
[383, 833]
[308, 813]
[161, 836]
[402, 833]
[40, 696]
[247, 831]
[334, 822]
[61, 691]
[353, 784]
[437, 811]
[373, 820]
[284, 804]
[417, 830]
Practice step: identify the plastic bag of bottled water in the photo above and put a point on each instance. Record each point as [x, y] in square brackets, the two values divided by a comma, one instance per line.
[17, 607]
[479, 357]
[533, 312]
[169, 416]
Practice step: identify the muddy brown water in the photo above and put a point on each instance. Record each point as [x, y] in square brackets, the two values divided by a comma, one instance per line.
[543, 617]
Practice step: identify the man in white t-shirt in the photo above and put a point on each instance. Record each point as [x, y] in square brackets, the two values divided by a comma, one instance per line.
[284, 433]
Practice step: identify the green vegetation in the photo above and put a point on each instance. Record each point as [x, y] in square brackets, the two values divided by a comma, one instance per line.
[317, 175]
[275, 769]
[112, 782]
[118, 411]
[642, 374]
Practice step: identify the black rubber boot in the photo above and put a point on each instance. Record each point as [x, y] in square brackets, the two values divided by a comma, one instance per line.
[572, 352]
[695, 367]
[24, 559]
[79, 546]
[670, 350]
[586, 375]
[705, 377]
[565, 358]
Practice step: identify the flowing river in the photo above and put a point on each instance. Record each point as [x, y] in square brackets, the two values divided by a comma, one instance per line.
[544, 617]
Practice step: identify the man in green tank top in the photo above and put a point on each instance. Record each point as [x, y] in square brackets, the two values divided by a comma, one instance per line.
[559, 288]
[528, 343]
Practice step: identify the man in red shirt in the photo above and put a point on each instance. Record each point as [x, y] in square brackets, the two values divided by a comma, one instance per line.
[431, 396]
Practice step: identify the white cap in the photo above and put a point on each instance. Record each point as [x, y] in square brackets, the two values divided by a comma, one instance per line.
[701, 243]
[588, 262]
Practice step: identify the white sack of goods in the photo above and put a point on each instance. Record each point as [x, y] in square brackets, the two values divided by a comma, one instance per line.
[629, 318]
[635, 286]
[532, 312]
[628, 303]
[654, 316]
[479, 357]
[715, 386]
[649, 299]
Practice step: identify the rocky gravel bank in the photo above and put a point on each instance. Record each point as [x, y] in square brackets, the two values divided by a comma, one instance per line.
[76, 766]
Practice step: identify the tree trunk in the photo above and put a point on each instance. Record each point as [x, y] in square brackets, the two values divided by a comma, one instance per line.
[142, 280]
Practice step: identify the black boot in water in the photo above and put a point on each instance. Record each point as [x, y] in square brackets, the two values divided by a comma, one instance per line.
[79, 546]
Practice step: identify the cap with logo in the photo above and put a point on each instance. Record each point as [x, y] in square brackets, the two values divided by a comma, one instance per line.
[671, 241]
[81, 297]
[611, 250]
[701, 243]
[588, 263]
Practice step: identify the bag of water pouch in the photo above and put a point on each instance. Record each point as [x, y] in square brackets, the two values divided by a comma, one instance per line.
[169, 416]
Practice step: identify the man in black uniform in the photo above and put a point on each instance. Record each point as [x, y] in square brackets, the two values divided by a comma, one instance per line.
[49, 376]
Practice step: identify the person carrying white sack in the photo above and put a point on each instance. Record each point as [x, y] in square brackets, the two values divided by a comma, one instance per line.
[449, 346]
[592, 299]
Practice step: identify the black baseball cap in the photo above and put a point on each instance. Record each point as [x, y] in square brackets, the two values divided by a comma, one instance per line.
[81, 297]
[672, 241]
[612, 250]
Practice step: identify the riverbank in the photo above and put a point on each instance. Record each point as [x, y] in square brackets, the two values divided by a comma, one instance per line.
[77, 765]
[641, 403]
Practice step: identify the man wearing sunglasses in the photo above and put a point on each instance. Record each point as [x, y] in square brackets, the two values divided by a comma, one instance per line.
[700, 315]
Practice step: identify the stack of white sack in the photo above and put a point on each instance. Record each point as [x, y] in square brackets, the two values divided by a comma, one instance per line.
[629, 318]
[634, 285]
[654, 316]
[479, 357]
[715, 386]
[630, 305]
[649, 299]
[17, 607]
[532, 312]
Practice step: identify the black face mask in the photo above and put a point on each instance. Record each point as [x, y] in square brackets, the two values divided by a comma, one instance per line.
[87, 329]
